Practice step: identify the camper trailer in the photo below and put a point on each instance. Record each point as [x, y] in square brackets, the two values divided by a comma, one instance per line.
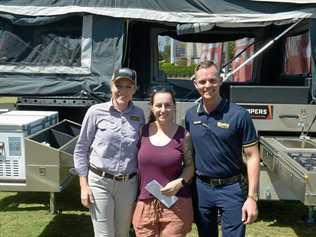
[60, 55]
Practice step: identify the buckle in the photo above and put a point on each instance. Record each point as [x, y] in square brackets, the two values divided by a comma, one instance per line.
[121, 178]
[215, 182]
[220, 181]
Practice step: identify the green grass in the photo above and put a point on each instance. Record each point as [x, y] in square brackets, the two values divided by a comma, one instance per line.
[7, 100]
[27, 215]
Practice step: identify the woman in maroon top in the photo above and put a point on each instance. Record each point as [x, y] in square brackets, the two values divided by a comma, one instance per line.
[165, 156]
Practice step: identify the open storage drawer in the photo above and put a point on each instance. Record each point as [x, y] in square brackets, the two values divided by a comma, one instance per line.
[49, 156]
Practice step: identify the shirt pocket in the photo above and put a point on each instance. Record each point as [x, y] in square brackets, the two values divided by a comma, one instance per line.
[107, 138]
[107, 125]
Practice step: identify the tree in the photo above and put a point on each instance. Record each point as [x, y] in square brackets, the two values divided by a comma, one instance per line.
[165, 54]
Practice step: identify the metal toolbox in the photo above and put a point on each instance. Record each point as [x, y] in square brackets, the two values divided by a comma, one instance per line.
[49, 156]
[293, 162]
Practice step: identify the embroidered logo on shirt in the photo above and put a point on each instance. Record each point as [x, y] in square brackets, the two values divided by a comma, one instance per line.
[222, 125]
[135, 118]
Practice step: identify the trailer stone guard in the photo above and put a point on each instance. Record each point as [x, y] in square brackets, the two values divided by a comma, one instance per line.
[60, 55]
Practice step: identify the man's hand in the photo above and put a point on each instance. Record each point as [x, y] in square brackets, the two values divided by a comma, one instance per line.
[86, 196]
[172, 187]
[249, 211]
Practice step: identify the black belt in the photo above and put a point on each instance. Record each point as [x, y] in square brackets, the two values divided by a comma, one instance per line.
[120, 178]
[220, 181]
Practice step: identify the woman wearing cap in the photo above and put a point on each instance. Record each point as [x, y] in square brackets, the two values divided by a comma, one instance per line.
[164, 156]
[105, 157]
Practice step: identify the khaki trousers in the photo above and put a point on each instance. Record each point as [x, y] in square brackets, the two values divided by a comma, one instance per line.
[111, 212]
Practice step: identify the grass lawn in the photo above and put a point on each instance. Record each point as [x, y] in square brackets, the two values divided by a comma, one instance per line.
[7, 100]
[26, 215]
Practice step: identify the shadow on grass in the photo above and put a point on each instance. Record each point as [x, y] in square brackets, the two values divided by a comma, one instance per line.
[67, 225]
[68, 200]
[25, 199]
[287, 214]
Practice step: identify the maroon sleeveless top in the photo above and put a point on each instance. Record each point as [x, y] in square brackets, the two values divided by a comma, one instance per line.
[162, 163]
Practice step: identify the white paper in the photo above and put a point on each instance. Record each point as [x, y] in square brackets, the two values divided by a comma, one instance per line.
[154, 188]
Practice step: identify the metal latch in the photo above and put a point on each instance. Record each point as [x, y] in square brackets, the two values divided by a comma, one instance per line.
[42, 171]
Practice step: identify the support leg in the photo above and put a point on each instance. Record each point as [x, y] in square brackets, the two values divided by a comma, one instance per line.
[52, 203]
[310, 218]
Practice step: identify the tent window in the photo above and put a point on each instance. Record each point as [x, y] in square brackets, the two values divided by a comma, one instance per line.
[297, 59]
[56, 44]
[178, 59]
[62, 47]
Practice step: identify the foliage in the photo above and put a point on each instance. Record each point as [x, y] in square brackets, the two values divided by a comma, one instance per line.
[173, 70]
[231, 49]
[165, 54]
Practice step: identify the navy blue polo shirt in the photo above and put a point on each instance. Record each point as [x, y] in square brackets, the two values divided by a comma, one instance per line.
[218, 138]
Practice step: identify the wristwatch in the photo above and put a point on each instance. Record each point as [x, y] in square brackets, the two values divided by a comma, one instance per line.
[253, 197]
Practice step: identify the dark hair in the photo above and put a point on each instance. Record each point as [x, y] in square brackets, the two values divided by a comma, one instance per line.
[205, 65]
[151, 117]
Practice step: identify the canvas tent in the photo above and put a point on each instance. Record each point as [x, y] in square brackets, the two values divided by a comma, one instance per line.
[62, 47]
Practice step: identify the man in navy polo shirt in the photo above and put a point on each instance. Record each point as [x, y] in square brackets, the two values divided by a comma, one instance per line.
[221, 131]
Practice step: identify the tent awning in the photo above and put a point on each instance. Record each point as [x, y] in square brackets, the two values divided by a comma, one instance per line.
[222, 12]
[242, 21]
[287, 1]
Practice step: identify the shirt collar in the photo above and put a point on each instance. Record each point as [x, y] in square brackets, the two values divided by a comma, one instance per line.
[219, 108]
[110, 106]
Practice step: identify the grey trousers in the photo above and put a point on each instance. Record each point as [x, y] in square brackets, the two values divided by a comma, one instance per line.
[111, 212]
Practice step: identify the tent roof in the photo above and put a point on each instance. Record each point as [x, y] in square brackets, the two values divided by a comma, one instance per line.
[225, 13]
[287, 1]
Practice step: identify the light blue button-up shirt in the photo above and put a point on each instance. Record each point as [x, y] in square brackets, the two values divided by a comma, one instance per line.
[108, 139]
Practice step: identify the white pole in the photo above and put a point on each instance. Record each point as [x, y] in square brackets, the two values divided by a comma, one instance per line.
[261, 50]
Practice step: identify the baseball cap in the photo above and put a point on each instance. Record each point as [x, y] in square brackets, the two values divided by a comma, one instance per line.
[125, 73]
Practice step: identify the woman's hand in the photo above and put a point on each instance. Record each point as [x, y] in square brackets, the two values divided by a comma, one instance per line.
[85, 192]
[172, 187]
[86, 196]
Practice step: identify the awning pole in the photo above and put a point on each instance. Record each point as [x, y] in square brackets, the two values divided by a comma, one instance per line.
[236, 56]
[271, 42]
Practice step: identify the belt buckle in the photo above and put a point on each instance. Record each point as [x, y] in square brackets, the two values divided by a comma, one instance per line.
[121, 178]
[125, 178]
[217, 182]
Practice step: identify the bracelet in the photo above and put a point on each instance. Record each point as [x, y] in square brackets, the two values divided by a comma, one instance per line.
[253, 197]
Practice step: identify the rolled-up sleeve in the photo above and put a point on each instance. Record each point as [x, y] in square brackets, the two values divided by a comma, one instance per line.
[86, 137]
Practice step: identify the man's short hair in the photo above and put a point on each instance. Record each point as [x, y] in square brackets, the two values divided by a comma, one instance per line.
[205, 65]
